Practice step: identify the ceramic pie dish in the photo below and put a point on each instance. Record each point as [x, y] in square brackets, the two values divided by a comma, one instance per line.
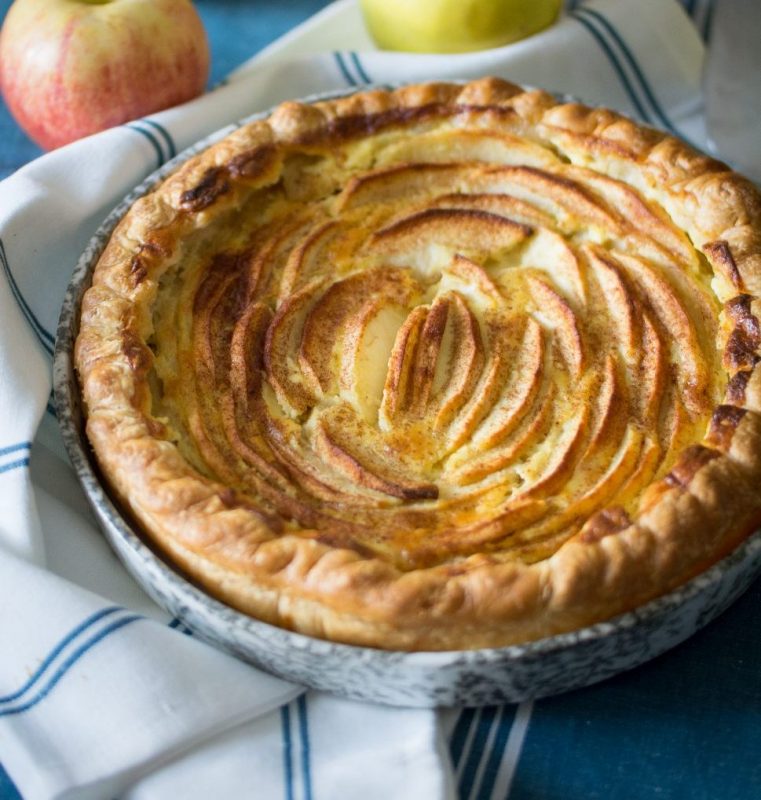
[499, 414]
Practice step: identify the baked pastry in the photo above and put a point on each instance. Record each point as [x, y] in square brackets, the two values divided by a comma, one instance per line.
[445, 367]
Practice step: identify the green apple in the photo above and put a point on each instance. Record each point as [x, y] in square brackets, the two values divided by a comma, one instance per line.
[455, 26]
[69, 68]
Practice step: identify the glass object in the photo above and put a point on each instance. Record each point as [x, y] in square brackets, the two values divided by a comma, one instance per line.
[731, 85]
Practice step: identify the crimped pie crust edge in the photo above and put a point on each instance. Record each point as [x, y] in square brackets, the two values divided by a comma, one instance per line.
[688, 520]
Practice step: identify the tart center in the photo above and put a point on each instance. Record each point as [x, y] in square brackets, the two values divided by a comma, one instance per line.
[442, 354]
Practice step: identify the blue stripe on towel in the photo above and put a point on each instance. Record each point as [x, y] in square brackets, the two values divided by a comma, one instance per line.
[634, 64]
[285, 724]
[360, 69]
[460, 735]
[165, 135]
[14, 448]
[22, 462]
[83, 626]
[305, 754]
[150, 137]
[339, 59]
[68, 663]
[615, 63]
[504, 724]
[486, 720]
[45, 338]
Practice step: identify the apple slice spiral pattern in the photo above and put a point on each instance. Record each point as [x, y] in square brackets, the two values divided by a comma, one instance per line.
[442, 348]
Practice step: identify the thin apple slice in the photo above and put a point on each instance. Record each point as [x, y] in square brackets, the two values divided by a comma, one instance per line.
[246, 376]
[207, 448]
[213, 307]
[503, 204]
[247, 353]
[271, 251]
[516, 515]
[651, 379]
[563, 198]
[350, 446]
[242, 417]
[606, 435]
[466, 469]
[400, 182]
[549, 253]
[207, 320]
[424, 548]
[603, 490]
[585, 446]
[466, 145]
[281, 350]
[610, 405]
[246, 265]
[427, 240]
[619, 302]
[307, 259]
[459, 364]
[305, 468]
[206, 359]
[519, 393]
[427, 354]
[678, 426]
[472, 282]
[669, 311]
[503, 339]
[564, 453]
[640, 216]
[650, 459]
[339, 308]
[397, 386]
[366, 352]
[557, 315]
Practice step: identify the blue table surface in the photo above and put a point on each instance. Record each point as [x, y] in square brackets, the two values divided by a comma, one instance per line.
[686, 725]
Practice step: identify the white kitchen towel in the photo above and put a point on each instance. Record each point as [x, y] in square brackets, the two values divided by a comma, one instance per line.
[100, 693]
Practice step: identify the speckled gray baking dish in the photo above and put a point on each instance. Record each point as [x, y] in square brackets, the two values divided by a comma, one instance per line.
[476, 677]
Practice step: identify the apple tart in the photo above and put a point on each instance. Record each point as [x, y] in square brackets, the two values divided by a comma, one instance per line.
[445, 367]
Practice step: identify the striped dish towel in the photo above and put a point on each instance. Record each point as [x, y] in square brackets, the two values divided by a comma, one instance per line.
[102, 695]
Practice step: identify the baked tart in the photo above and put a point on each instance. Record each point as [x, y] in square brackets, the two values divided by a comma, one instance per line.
[446, 367]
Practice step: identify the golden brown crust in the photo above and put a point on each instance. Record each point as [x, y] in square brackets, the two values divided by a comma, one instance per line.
[568, 416]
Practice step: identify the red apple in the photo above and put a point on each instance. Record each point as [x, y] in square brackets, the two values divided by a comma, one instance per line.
[69, 68]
